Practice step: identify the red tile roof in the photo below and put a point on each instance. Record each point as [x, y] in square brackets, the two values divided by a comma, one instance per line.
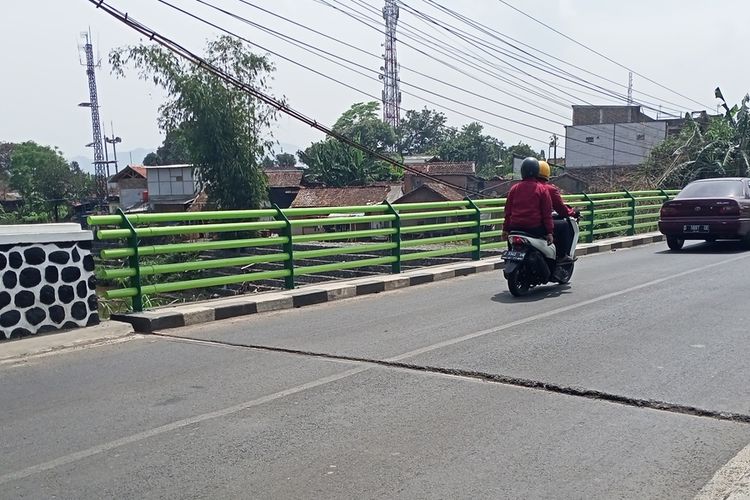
[446, 168]
[139, 170]
[339, 197]
[441, 192]
[284, 178]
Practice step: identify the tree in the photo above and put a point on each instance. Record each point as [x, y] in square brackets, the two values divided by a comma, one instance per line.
[286, 160]
[716, 149]
[44, 179]
[226, 132]
[471, 144]
[362, 123]
[173, 151]
[333, 163]
[421, 132]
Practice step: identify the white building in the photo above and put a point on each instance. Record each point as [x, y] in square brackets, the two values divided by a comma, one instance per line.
[171, 188]
[604, 136]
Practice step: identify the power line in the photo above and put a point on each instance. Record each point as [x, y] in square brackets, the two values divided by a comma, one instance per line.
[556, 71]
[311, 48]
[502, 38]
[206, 65]
[600, 54]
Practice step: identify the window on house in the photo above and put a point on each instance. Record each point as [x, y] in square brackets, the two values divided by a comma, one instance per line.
[178, 178]
[590, 139]
[640, 137]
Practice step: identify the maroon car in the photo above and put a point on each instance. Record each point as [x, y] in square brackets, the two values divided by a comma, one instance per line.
[710, 210]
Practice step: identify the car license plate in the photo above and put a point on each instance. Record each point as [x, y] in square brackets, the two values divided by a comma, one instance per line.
[515, 255]
[695, 228]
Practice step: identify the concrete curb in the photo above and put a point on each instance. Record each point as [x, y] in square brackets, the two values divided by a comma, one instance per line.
[211, 310]
[33, 345]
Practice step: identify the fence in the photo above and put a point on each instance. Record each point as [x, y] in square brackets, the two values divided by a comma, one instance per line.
[399, 233]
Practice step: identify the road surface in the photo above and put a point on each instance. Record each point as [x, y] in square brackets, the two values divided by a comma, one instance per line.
[629, 383]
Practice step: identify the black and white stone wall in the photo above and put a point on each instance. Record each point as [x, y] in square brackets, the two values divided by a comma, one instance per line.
[45, 287]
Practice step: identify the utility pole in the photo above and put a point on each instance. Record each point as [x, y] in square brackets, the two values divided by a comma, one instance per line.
[553, 144]
[99, 161]
[391, 92]
[630, 88]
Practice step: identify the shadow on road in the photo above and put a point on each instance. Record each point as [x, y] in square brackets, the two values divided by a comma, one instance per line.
[536, 294]
[718, 247]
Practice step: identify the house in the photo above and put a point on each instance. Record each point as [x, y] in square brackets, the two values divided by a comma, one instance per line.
[460, 174]
[171, 188]
[352, 196]
[429, 192]
[569, 183]
[283, 185]
[419, 159]
[610, 136]
[10, 201]
[129, 187]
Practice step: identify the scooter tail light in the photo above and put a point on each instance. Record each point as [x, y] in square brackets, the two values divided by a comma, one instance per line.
[516, 241]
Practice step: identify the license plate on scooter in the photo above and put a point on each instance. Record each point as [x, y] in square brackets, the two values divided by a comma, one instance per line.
[514, 255]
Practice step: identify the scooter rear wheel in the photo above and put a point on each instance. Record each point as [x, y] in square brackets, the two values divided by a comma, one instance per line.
[517, 285]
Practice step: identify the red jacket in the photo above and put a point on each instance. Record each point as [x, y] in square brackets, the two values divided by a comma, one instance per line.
[528, 206]
[557, 202]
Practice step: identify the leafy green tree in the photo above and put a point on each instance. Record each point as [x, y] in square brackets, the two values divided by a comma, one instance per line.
[286, 160]
[44, 178]
[362, 122]
[333, 163]
[471, 144]
[422, 132]
[226, 131]
[717, 149]
[173, 151]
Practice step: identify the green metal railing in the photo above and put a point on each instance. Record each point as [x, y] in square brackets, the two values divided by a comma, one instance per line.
[404, 233]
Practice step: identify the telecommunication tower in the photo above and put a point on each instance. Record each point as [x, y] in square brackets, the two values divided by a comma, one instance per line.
[99, 162]
[391, 92]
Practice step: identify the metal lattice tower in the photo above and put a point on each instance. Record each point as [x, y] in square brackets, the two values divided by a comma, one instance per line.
[391, 92]
[99, 163]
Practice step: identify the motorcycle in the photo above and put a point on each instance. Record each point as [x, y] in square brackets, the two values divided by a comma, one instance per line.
[530, 261]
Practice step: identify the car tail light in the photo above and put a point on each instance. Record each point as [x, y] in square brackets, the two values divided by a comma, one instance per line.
[732, 208]
[668, 211]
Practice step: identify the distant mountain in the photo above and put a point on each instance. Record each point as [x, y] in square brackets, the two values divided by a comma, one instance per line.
[123, 159]
[138, 154]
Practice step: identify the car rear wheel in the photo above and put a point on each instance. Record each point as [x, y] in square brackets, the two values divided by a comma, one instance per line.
[674, 243]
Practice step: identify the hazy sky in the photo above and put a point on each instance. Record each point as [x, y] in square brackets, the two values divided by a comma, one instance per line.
[687, 45]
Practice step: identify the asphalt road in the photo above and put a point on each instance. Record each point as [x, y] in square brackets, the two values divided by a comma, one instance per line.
[629, 383]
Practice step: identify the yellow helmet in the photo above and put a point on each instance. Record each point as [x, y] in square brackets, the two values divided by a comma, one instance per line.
[544, 171]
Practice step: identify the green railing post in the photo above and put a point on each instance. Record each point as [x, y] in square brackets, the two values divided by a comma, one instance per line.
[590, 236]
[288, 247]
[632, 204]
[133, 261]
[664, 194]
[477, 242]
[395, 238]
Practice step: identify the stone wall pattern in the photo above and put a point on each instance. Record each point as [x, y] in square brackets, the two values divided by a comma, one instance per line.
[46, 287]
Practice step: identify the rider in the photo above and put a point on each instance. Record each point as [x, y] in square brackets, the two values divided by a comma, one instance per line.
[563, 231]
[528, 207]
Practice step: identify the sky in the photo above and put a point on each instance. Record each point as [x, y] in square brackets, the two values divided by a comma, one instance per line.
[689, 46]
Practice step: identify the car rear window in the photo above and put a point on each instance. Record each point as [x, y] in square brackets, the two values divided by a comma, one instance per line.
[713, 189]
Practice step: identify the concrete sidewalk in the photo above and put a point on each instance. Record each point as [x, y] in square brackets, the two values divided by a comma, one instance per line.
[217, 309]
[106, 331]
